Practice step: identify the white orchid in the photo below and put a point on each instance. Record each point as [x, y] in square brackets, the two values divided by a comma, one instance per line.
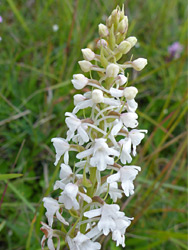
[136, 137]
[68, 196]
[75, 124]
[129, 120]
[61, 148]
[102, 131]
[100, 154]
[118, 234]
[52, 206]
[125, 175]
[111, 220]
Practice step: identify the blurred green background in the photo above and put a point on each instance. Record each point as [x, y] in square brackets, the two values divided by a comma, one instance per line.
[36, 66]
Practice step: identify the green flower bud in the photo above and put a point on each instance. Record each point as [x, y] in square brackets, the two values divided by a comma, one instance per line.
[132, 40]
[88, 54]
[123, 25]
[109, 22]
[124, 47]
[85, 66]
[115, 16]
[103, 30]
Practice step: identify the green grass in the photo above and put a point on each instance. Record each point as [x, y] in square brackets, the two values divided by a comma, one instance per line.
[36, 66]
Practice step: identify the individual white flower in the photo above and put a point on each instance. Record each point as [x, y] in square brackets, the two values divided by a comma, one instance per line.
[132, 40]
[103, 30]
[85, 65]
[109, 215]
[55, 27]
[118, 234]
[49, 233]
[68, 196]
[125, 175]
[65, 176]
[52, 206]
[139, 64]
[136, 137]
[79, 81]
[128, 119]
[112, 70]
[126, 150]
[61, 148]
[82, 242]
[100, 154]
[75, 124]
[88, 54]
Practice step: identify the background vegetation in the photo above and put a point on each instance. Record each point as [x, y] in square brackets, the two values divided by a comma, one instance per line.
[36, 66]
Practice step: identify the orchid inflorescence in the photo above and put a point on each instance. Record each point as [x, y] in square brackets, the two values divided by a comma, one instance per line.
[104, 142]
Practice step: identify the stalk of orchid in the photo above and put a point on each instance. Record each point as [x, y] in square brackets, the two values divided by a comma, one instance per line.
[103, 143]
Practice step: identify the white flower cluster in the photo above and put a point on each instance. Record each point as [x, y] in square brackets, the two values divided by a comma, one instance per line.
[103, 144]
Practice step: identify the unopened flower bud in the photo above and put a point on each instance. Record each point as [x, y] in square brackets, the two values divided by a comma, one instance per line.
[103, 30]
[85, 65]
[130, 92]
[115, 16]
[97, 96]
[109, 22]
[79, 81]
[102, 42]
[88, 54]
[112, 70]
[139, 64]
[121, 79]
[124, 47]
[132, 40]
[123, 25]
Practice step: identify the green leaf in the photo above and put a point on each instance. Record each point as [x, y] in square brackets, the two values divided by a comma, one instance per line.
[18, 193]
[2, 225]
[9, 176]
